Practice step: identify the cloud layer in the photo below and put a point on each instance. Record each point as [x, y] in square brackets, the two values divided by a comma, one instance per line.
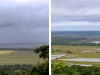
[75, 13]
[75, 8]
[24, 21]
[76, 23]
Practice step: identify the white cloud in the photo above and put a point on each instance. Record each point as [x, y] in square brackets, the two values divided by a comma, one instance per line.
[75, 23]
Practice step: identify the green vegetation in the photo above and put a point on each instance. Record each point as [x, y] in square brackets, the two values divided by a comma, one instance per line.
[66, 41]
[16, 69]
[75, 45]
[44, 51]
[62, 69]
[75, 38]
[76, 52]
[12, 57]
[41, 68]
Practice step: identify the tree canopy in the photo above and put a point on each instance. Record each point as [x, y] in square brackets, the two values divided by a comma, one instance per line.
[43, 51]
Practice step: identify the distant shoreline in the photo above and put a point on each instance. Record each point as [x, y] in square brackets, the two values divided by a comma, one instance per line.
[20, 46]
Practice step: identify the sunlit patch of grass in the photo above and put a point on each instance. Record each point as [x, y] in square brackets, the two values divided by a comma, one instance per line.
[5, 51]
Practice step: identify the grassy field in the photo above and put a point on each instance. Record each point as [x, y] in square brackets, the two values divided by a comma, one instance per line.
[76, 52]
[10, 57]
[5, 52]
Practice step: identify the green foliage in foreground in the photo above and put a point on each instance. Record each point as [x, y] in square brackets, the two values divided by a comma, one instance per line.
[15, 69]
[63, 69]
[42, 68]
[38, 69]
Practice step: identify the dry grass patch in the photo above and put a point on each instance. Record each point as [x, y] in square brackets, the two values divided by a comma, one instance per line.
[5, 51]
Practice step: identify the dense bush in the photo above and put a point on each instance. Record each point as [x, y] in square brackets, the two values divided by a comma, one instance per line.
[15, 69]
[63, 69]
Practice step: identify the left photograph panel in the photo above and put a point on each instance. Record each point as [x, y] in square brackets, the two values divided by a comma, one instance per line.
[24, 37]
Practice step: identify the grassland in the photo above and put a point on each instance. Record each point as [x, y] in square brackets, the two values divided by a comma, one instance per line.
[10, 57]
[5, 51]
[76, 52]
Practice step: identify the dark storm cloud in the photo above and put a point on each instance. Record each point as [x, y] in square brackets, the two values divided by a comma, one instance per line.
[24, 21]
[23, 14]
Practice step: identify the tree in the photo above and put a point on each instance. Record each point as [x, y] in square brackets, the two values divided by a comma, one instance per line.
[43, 50]
[41, 68]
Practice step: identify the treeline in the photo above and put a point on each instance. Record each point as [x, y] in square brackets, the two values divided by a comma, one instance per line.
[75, 44]
[62, 69]
[75, 38]
[63, 40]
[38, 69]
[71, 41]
[16, 69]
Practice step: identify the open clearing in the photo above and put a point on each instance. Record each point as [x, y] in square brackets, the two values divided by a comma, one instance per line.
[10, 57]
[87, 55]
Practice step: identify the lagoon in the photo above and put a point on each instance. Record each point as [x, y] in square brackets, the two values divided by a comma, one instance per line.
[83, 59]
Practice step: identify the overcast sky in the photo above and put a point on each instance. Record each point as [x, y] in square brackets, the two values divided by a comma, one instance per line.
[74, 15]
[24, 21]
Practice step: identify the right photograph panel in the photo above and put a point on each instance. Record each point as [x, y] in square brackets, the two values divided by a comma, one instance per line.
[75, 37]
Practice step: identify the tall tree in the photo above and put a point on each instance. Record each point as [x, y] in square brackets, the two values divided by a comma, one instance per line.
[41, 68]
[43, 51]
